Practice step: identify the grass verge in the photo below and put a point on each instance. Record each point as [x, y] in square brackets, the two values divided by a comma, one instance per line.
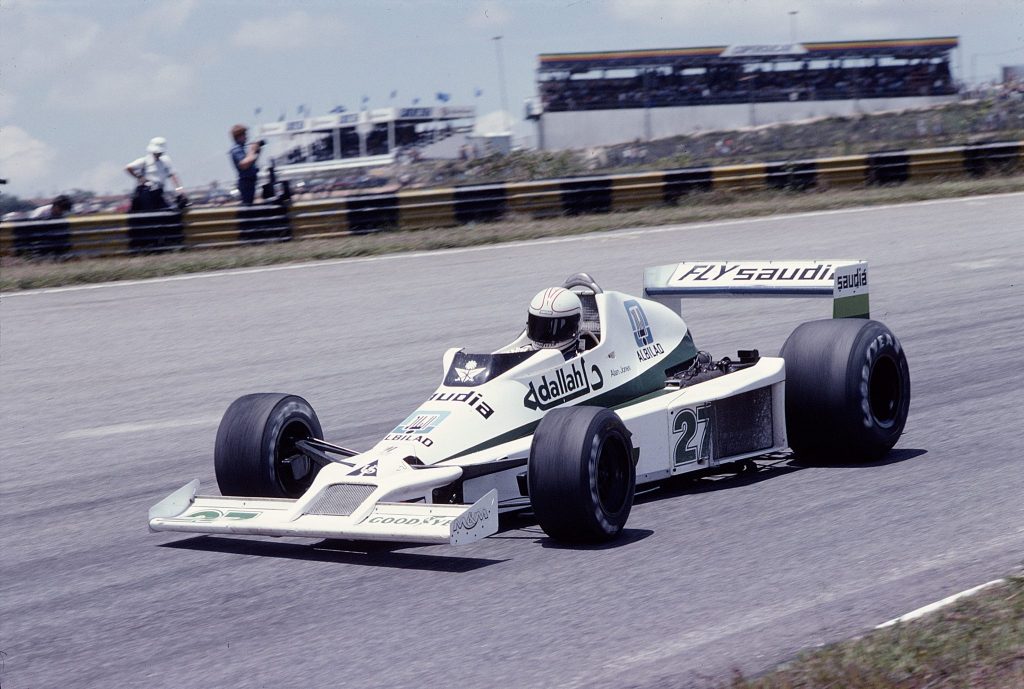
[20, 274]
[977, 643]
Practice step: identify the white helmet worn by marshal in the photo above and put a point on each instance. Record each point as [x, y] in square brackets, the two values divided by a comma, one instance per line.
[554, 318]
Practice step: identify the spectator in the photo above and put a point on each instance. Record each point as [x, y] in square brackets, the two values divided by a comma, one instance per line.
[152, 171]
[245, 163]
[60, 207]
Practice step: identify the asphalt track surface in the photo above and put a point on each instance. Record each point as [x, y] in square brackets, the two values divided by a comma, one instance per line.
[111, 397]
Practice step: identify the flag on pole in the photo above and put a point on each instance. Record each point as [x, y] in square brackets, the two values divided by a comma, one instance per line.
[415, 101]
[394, 92]
[257, 112]
[478, 92]
[444, 97]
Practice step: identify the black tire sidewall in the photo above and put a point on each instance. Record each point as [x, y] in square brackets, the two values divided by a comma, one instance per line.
[248, 440]
[563, 474]
[876, 346]
[604, 429]
[829, 364]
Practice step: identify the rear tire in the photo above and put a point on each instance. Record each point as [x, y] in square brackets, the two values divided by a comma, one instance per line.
[257, 434]
[847, 390]
[581, 474]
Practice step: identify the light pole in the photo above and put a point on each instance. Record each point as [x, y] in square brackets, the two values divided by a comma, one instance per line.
[792, 25]
[501, 85]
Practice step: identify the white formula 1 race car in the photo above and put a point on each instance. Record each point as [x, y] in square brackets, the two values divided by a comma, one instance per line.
[569, 432]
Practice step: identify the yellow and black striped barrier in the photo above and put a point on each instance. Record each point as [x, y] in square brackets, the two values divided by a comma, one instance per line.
[104, 235]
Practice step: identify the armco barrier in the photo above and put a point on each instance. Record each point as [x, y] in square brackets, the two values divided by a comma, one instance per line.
[415, 209]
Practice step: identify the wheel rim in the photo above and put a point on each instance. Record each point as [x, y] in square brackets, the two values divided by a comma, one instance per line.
[285, 449]
[884, 393]
[613, 475]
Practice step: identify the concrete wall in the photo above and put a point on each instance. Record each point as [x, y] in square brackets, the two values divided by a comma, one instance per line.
[602, 127]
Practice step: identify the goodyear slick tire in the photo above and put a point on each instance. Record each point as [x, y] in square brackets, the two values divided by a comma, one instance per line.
[581, 475]
[257, 433]
[847, 390]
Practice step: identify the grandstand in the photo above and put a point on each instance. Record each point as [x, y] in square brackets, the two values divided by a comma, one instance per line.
[589, 99]
[346, 141]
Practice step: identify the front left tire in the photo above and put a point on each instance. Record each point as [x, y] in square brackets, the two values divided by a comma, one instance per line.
[581, 474]
[255, 452]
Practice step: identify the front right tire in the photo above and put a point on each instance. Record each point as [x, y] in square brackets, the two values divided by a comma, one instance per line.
[255, 453]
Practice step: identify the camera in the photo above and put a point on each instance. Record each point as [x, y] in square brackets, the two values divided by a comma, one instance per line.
[262, 143]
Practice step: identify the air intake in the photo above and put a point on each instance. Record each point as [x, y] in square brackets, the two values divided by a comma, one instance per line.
[340, 499]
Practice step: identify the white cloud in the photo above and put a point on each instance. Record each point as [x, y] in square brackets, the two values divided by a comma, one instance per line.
[24, 159]
[167, 16]
[148, 80]
[104, 177]
[41, 46]
[293, 31]
[488, 15]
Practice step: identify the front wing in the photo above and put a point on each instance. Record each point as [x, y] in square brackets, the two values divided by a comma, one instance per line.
[184, 510]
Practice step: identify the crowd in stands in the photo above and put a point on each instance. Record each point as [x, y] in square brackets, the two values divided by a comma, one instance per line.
[728, 83]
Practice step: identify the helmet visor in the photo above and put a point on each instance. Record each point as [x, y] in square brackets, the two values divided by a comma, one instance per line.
[552, 330]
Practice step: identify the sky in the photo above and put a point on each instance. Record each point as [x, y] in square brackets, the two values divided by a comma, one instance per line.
[84, 84]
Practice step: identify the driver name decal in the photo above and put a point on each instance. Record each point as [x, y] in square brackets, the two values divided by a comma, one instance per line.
[563, 385]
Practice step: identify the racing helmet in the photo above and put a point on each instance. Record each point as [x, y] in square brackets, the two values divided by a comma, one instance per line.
[554, 318]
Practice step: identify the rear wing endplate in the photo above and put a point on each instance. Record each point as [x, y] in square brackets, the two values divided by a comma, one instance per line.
[846, 281]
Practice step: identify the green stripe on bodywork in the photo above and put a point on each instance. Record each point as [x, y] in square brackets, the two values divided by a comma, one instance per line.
[508, 436]
[851, 307]
[642, 388]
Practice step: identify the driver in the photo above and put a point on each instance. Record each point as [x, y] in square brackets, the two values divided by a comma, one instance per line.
[554, 320]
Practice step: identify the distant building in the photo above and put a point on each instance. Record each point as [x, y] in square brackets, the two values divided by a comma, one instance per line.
[1013, 74]
[600, 98]
[344, 141]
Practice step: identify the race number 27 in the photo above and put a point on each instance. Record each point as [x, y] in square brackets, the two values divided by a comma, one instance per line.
[694, 429]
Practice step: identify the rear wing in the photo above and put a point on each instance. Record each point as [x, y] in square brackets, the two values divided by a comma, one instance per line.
[846, 281]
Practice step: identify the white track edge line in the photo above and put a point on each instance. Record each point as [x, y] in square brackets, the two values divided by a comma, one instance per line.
[601, 234]
[932, 607]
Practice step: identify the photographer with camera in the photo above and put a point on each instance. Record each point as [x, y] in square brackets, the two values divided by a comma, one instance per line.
[245, 163]
[152, 172]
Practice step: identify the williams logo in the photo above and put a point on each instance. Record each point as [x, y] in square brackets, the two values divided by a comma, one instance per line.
[642, 333]
[641, 327]
[564, 385]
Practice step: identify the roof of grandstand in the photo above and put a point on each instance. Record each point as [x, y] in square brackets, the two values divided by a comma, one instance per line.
[700, 56]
